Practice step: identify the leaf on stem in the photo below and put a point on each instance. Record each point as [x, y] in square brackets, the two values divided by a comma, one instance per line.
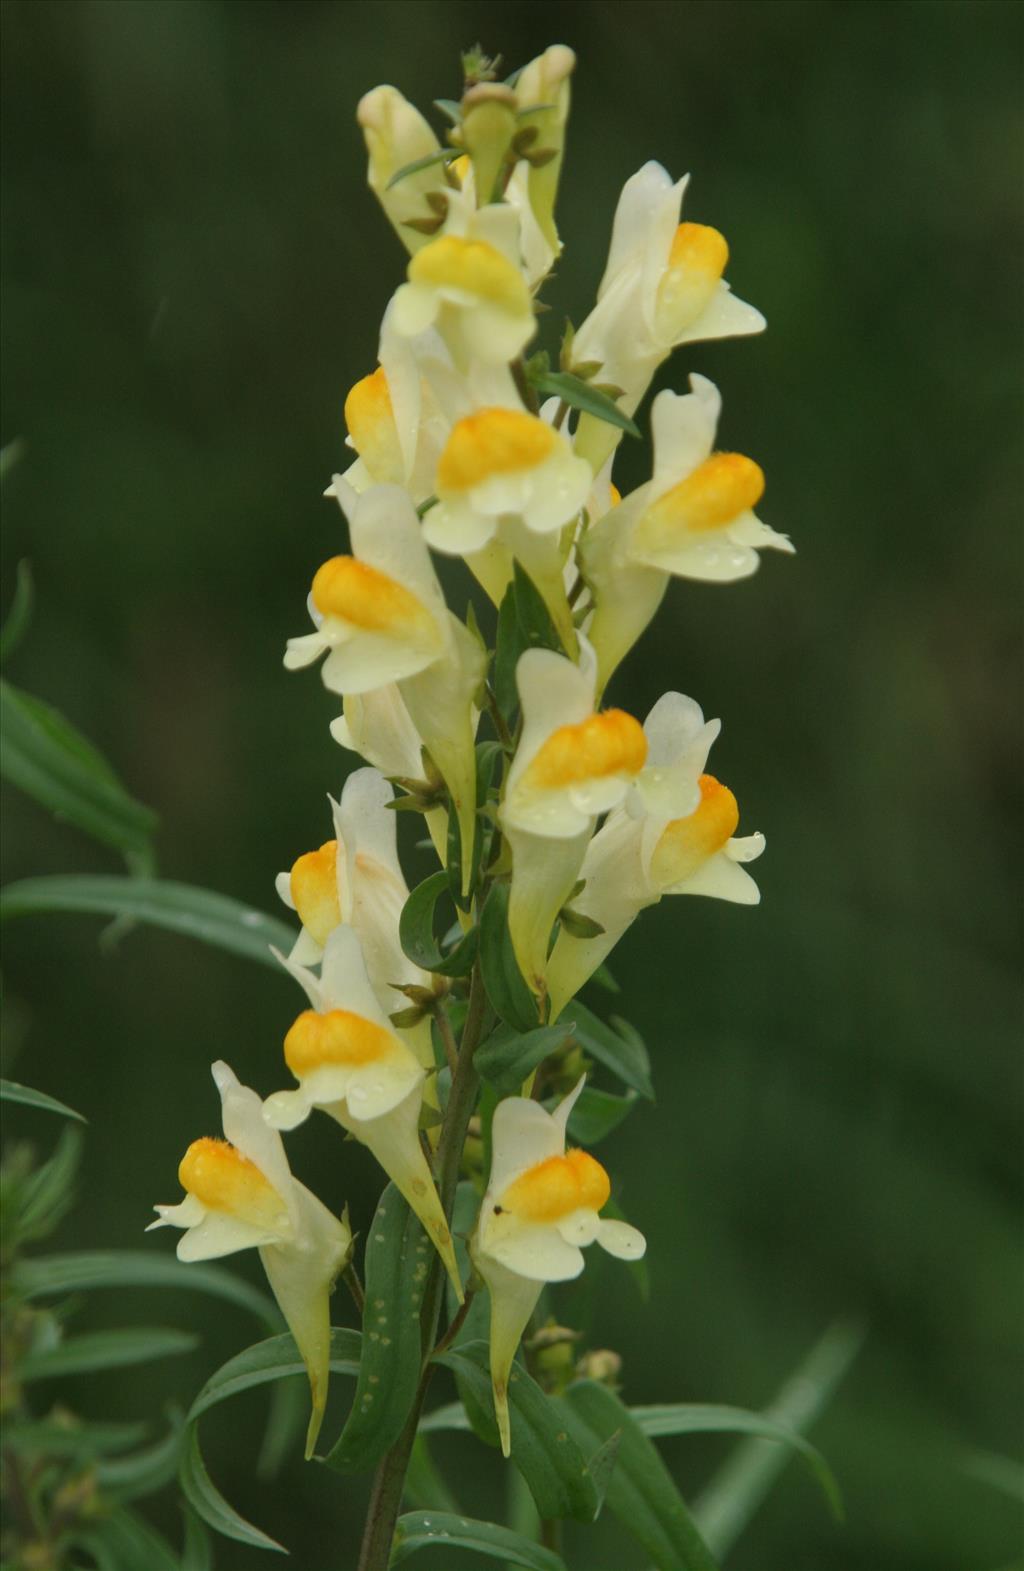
[509, 1056]
[182, 908]
[397, 1259]
[585, 397]
[640, 1492]
[597, 1113]
[416, 931]
[431, 1529]
[619, 1048]
[504, 982]
[550, 1461]
[95, 1350]
[81, 1271]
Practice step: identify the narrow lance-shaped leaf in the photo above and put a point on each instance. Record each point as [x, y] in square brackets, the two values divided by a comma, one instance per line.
[503, 980]
[182, 908]
[736, 1491]
[19, 617]
[26, 1096]
[84, 1270]
[95, 1350]
[416, 931]
[584, 396]
[433, 1529]
[508, 1056]
[277, 1358]
[397, 1261]
[45, 757]
[597, 1113]
[619, 1048]
[133, 1477]
[547, 1456]
[640, 1492]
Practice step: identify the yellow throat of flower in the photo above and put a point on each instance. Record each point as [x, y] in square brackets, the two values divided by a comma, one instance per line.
[335, 1039]
[472, 267]
[719, 490]
[696, 263]
[371, 425]
[493, 442]
[686, 843]
[314, 890]
[556, 1188]
[359, 594]
[612, 743]
[225, 1180]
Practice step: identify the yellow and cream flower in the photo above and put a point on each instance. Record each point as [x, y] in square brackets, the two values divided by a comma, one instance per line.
[356, 878]
[397, 441]
[469, 281]
[240, 1194]
[678, 820]
[571, 765]
[540, 1211]
[396, 134]
[662, 287]
[693, 519]
[503, 463]
[382, 619]
[349, 1061]
[543, 96]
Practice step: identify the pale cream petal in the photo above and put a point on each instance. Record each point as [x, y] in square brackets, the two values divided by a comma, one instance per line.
[725, 317]
[413, 309]
[580, 1227]
[218, 1235]
[287, 1109]
[283, 889]
[683, 427]
[302, 651]
[187, 1213]
[344, 983]
[457, 528]
[747, 529]
[544, 871]
[372, 660]
[523, 1133]
[621, 1240]
[641, 197]
[513, 1301]
[248, 1131]
[534, 1250]
[745, 848]
[722, 879]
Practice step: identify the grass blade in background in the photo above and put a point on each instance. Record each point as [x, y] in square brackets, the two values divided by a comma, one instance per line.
[95, 1350]
[432, 1529]
[182, 908]
[83, 1270]
[738, 1488]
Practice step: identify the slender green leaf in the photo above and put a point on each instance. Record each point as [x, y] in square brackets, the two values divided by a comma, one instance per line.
[11, 1091]
[603, 978]
[52, 1437]
[451, 1416]
[197, 1554]
[431, 1529]
[597, 1113]
[487, 755]
[536, 629]
[1003, 1473]
[144, 1472]
[19, 616]
[275, 1359]
[81, 1271]
[620, 1050]
[443, 155]
[508, 1056]
[44, 756]
[397, 1258]
[602, 1466]
[739, 1487]
[640, 1492]
[48, 1193]
[205, 1498]
[182, 908]
[503, 980]
[689, 1418]
[508, 646]
[542, 1448]
[95, 1350]
[124, 1542]
[425, 1484]
[416, 931]
[586, 397]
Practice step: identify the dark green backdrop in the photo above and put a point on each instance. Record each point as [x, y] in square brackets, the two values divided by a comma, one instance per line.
[194, 274]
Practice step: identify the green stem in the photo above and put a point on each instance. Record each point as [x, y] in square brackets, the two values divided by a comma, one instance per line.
[389, 1482]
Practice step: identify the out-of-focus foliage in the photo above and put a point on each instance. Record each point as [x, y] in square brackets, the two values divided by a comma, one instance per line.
[192, 277]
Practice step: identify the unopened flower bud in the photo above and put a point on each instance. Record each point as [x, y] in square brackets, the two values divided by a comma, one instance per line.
[602, 1365]
[488, 127]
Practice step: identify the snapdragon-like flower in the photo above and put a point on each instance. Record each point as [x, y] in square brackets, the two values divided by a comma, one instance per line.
[571, 765]
[693, 519]
[392, 450]
[349, 1061]
[675, 835]
[240, 1194]
[357, 878]
[541, 1209]
[382, 619]
[469, 280]
[662, 287]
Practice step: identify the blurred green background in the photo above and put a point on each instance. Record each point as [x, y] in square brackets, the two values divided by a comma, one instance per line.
[193, 276]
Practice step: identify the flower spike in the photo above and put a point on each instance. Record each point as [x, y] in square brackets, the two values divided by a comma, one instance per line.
[240, 1194]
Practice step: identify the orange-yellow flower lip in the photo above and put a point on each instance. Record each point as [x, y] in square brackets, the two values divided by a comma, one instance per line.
[361, 595]
[686, 843]
[472, 266]
[225, 1180]
[612, 743]
[719, 490]
[338, 1038]
[493, 442]
[555, 1188]
[314, 890]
